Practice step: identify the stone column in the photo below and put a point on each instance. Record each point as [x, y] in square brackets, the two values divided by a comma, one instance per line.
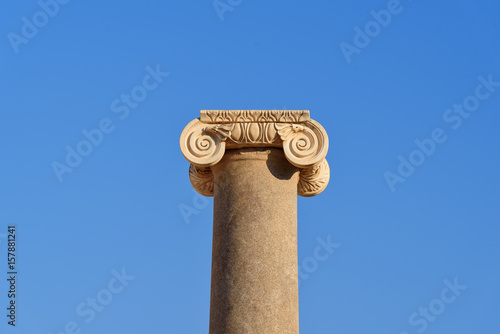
[254, 163]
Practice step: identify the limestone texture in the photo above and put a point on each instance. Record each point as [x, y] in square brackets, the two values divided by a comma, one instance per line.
[255, 163]
[254, 258]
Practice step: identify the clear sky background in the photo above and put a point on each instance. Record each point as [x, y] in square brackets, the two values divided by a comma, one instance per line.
[399, 245]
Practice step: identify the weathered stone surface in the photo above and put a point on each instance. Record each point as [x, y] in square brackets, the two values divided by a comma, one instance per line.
[255, 163]
[254, 259]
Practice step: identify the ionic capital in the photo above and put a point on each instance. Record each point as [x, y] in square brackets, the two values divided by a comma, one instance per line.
[303, 140]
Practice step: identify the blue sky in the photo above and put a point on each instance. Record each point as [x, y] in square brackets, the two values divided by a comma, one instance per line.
[409, 93]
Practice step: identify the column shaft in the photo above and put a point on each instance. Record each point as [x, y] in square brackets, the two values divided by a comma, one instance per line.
[254, 260]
